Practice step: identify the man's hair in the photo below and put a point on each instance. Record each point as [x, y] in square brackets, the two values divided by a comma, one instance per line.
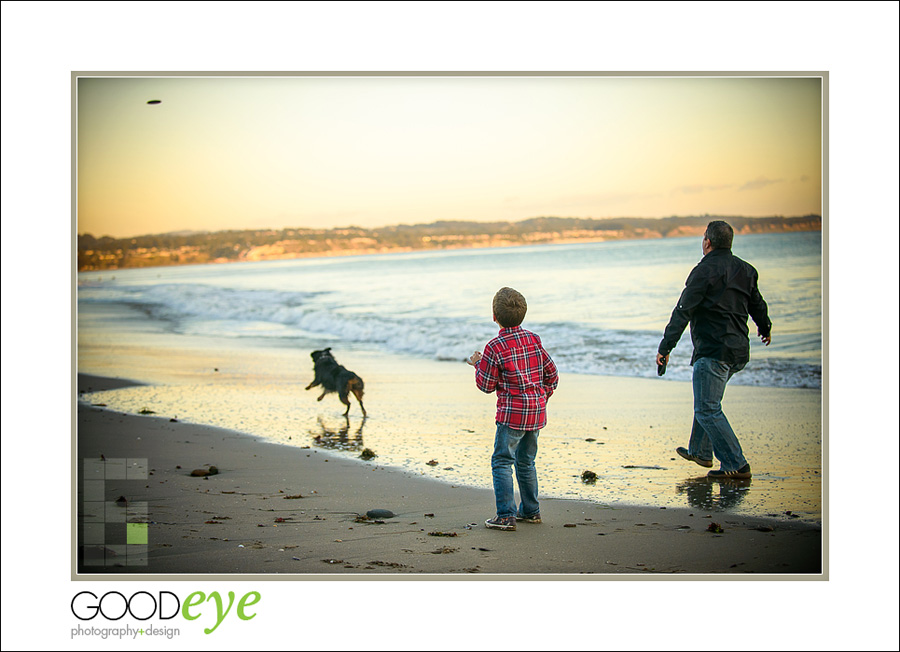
[720, 234]
[509, 307]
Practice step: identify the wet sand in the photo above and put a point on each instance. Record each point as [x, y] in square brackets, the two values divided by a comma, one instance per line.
[623, 429]
[278, 509]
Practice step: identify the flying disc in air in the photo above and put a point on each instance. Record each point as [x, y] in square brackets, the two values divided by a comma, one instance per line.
[155, 102]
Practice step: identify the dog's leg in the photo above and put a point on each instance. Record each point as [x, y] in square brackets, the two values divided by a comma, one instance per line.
[356, 386]
[322, 396]
[312, 384]
[344, 396]
[358, 393]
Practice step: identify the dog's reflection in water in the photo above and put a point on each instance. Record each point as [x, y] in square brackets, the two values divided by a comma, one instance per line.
[336, 435]
[704, 493]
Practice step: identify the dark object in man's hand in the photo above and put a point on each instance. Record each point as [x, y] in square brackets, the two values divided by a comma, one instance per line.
[661, 366]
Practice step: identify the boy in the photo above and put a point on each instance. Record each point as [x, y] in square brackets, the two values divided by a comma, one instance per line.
[515, 365]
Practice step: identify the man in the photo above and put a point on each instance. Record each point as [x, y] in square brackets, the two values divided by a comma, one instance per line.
[718, 295]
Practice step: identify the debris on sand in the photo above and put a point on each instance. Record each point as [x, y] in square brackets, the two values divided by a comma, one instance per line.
[442, 534]
[432, 462]
[715, 528]
[444, 550]
[367, 454]
[294, 497]
[588, 477]
[202, 473]
[387, 564]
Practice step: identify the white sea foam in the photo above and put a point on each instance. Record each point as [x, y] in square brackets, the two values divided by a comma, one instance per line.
[203, 310]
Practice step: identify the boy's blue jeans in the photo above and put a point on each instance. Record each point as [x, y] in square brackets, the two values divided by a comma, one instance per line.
[515, 448]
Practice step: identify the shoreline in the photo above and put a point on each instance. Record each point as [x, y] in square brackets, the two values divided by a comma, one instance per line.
[260, 253]
[225, 524]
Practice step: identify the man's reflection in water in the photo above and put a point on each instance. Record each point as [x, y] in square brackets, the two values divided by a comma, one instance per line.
[337, 436]
[708, 494]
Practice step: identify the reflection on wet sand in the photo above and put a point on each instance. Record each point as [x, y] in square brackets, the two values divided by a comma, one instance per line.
[337, 437]
[708, 494]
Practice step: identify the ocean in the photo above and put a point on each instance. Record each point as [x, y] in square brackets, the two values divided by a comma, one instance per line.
[600, 308]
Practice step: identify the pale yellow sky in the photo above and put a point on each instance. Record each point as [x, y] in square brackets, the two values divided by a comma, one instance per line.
[234, 153]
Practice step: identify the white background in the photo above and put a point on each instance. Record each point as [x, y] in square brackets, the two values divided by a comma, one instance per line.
[856, 43]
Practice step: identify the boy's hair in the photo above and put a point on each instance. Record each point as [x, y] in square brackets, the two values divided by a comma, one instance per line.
[509, 307]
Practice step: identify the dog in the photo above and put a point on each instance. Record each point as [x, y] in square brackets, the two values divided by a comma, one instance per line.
[336, 378]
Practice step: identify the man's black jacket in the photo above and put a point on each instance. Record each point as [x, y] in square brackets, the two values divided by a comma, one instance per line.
[718, 295]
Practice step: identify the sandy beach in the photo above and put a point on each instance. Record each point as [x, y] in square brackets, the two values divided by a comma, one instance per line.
[277, 509]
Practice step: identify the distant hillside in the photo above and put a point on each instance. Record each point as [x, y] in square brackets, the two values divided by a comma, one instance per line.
[186, 248]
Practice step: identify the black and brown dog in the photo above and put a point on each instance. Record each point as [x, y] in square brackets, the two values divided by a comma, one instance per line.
[335, 378]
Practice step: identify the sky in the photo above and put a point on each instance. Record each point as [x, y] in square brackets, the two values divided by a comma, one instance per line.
[250, 152]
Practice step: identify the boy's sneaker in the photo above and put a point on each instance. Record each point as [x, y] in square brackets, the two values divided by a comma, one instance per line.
[498, 523]
[691, 458]
[742, 473]
[530, 519]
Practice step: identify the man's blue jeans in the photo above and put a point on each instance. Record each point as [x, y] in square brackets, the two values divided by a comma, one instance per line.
[711, 432]
[515, 448]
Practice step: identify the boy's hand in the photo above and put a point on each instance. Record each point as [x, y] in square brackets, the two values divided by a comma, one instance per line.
[474, 359]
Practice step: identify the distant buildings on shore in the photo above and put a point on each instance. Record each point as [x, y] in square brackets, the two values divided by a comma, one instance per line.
[189, 248]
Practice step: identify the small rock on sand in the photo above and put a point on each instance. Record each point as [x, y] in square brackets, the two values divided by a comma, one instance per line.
[202, 473]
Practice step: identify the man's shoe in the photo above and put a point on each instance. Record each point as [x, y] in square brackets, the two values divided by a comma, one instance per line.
[530, 519]
[497, 523]
[742, 473]
[690, 458]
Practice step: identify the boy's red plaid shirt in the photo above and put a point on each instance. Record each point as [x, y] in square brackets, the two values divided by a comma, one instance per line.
[516, 365]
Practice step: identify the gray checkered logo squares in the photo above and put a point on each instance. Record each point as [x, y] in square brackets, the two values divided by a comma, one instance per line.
[114, 532]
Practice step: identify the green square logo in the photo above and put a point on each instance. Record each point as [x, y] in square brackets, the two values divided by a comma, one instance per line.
[137, 533]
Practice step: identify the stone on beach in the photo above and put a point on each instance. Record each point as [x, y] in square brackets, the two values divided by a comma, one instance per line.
[380, 513]
[202, 473]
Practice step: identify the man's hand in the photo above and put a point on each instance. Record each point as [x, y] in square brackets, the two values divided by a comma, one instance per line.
[474, 359]
[766, 339]
[660, 359]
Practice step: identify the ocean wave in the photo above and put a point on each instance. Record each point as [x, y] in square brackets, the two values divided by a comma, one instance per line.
[209, 310]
